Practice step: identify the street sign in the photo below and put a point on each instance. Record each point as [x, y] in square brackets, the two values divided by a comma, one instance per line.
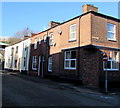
[105, 58]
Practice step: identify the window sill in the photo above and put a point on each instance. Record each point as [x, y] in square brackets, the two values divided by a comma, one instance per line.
[34, 69]
[50, 71]
[111, 69]
[70, 68]
[72, 40]
[113, 40]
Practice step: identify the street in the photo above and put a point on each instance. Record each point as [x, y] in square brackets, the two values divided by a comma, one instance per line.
[17, 91]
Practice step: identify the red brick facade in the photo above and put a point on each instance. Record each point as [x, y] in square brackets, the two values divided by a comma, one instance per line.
[90, 43]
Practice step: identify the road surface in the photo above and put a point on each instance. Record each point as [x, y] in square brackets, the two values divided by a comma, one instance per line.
[17, 91]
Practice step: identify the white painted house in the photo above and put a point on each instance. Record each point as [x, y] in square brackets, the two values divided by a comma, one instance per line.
[17, 56]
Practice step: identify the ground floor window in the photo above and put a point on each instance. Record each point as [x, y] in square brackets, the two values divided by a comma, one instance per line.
[34, 63]
[113, 62]
[70, 60]
[50, 64]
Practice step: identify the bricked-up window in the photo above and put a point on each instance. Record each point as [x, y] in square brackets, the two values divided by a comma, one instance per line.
[35, 44]
[70, 60]
[111, 31]
[50, 64]
[51, 39]
[113, 62]
[34, 63]
[72, 32]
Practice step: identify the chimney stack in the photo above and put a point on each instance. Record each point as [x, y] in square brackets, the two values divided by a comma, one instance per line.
[88, 7]
[53, 24]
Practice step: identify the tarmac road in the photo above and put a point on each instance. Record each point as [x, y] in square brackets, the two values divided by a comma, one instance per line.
[17, 91]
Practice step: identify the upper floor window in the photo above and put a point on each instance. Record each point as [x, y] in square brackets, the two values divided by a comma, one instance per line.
[50, 64]
[16, 49]
[35, 44]
[40, 40]
[51, 39]
[72, 32]
[113, 62]
[111, 31]
[12, 51]
[45, 38]
[70, 60]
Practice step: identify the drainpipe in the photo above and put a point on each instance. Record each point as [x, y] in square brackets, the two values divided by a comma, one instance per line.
[78, 47]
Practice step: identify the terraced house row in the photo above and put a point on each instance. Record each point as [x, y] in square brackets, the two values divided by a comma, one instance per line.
[73, 49]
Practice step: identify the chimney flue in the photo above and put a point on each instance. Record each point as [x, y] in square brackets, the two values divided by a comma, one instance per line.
[88, 7]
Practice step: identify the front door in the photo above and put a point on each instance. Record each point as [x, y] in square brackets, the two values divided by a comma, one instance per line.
[39, 67]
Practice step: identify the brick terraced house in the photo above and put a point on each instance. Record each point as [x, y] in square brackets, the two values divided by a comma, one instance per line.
[74, 49]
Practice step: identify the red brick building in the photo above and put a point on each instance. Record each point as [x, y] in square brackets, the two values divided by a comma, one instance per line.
[74, 49]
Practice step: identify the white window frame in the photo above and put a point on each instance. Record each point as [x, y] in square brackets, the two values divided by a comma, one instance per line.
[45, 38]
[111, 63]
[40, 40]
[51, 39]
[35, 43]
[49, 63]
[114, 32]
[34, 60]
[71, 68]
[72, 33]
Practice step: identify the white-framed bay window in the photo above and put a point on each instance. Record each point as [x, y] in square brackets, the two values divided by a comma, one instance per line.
[50, 64]
[70, 60]
[34, 63]
[113, 62]
[111, 35]
[72, 32]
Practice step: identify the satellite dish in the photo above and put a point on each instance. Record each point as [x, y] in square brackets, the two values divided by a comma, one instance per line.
[60, 32]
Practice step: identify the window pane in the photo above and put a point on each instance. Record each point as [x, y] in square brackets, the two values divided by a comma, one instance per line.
[50, 60]
[50, 66]
[111, 27]
[115, 56]
[67, 63]
[73, 55]
[73, 28]
[67, 55]
[110, 35]
[73, 63]
[115, 65]
[109, 65]
[72, 35]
